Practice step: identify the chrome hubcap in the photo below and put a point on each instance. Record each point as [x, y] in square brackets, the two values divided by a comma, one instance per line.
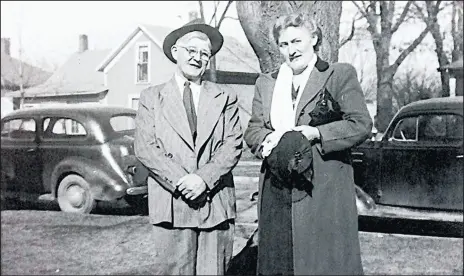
[76, 195]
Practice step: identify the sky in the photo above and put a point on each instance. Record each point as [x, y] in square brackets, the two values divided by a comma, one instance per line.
[48, 31]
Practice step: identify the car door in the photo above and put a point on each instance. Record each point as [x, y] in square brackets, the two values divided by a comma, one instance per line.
[20, 156]
[422, 163]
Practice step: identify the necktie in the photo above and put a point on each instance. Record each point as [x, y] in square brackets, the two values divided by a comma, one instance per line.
[190, 109]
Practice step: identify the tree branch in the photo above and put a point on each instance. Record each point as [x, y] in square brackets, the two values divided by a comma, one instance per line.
[223, 14]
[294, 5]
[402, 16]
[408, 50]
[351, 35]
[214, 14]
[420, 13]
[366, 14]
[202, 12]
[231, 17]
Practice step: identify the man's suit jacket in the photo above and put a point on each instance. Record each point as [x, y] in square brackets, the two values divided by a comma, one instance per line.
[164, 144]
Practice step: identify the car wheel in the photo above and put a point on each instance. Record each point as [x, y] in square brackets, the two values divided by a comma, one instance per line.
[74, 195]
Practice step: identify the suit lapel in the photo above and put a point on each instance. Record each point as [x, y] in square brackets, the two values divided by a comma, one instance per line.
[211, 105]
[316, 80]
[174, 111]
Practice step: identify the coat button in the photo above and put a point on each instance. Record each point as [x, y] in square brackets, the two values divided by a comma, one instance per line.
[169, 155]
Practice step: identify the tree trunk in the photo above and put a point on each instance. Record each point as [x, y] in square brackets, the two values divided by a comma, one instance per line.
[258, 17]
[432, 21]
[457, 30]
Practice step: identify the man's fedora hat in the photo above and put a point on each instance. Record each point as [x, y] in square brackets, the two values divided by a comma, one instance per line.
[196, 25]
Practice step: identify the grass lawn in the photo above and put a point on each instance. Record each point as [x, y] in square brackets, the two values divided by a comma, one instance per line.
[50, 242]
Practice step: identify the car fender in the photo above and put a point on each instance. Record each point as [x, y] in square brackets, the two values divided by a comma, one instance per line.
[104, 184]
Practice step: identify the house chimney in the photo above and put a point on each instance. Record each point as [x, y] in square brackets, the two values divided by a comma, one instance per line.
[192, 15]
[83, 43]
[6, 46]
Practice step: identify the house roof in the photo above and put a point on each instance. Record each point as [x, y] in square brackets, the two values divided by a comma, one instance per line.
[76, 76]
[10, 78]
[234, 55]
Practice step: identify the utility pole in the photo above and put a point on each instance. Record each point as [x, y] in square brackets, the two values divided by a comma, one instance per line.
[20, 52]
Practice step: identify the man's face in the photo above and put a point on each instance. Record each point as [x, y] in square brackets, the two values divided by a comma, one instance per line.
[296, 45]
[192, 57]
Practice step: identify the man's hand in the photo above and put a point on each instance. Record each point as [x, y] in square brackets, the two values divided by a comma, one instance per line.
[309, 132]
[191, 186]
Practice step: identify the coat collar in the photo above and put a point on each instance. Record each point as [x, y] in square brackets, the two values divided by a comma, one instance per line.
[315, 82]
[211, 104]
[174, 111]
[320, 65]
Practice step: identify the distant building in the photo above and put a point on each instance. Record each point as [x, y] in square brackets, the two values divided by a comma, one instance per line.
[118, 76]
[11, 78]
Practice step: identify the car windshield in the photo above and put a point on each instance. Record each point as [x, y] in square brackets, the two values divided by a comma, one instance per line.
[123, 122]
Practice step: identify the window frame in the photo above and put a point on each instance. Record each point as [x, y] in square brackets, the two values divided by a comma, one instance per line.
[22, 120]
[57, 118]
[137, 62]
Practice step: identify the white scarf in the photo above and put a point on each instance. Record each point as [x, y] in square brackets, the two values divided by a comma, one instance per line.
[282, 111]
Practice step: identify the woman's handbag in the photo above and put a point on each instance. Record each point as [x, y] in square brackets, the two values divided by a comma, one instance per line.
[327, 110]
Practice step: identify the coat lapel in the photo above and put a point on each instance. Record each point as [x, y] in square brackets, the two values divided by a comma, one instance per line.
[316, 80]
[266, 97]
[174, 111]
[211, 105]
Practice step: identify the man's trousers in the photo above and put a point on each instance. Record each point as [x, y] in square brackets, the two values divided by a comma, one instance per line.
[192, 251]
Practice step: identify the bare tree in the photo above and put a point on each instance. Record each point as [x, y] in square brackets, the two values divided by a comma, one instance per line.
[257, 17]
[457, 30]
[380, 16]
[217, 22]
[430, 18]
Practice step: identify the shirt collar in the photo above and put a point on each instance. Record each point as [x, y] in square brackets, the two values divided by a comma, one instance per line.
[180, 80]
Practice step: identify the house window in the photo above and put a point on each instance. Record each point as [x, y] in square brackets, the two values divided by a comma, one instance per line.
[142, 63]
[135, 103]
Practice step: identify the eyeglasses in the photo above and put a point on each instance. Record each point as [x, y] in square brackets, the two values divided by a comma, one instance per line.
[205, 56]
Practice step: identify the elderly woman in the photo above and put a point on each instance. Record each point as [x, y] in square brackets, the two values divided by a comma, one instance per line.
[307, 225]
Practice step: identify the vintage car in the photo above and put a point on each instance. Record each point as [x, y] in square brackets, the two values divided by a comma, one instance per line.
[75, 154]
[416, 170]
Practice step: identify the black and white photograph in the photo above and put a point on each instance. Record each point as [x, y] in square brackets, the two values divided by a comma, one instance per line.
[232, 137]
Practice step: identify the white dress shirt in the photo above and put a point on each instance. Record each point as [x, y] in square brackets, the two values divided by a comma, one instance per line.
[196, 89]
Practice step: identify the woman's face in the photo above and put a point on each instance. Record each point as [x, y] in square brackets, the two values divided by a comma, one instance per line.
[296, 45]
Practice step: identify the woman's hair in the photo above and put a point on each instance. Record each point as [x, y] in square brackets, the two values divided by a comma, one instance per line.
[297, 20]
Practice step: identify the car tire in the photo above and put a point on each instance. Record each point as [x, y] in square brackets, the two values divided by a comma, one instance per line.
[74, 195]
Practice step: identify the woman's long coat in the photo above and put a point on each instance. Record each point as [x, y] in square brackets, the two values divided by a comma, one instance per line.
[325, 225]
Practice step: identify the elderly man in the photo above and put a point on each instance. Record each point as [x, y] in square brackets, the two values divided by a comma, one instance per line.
[188, 134]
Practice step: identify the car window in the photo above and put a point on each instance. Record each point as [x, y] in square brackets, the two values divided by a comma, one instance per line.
[122, 122]
[63, 128]
[23, 129]
[406, 129]
[440, 128]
